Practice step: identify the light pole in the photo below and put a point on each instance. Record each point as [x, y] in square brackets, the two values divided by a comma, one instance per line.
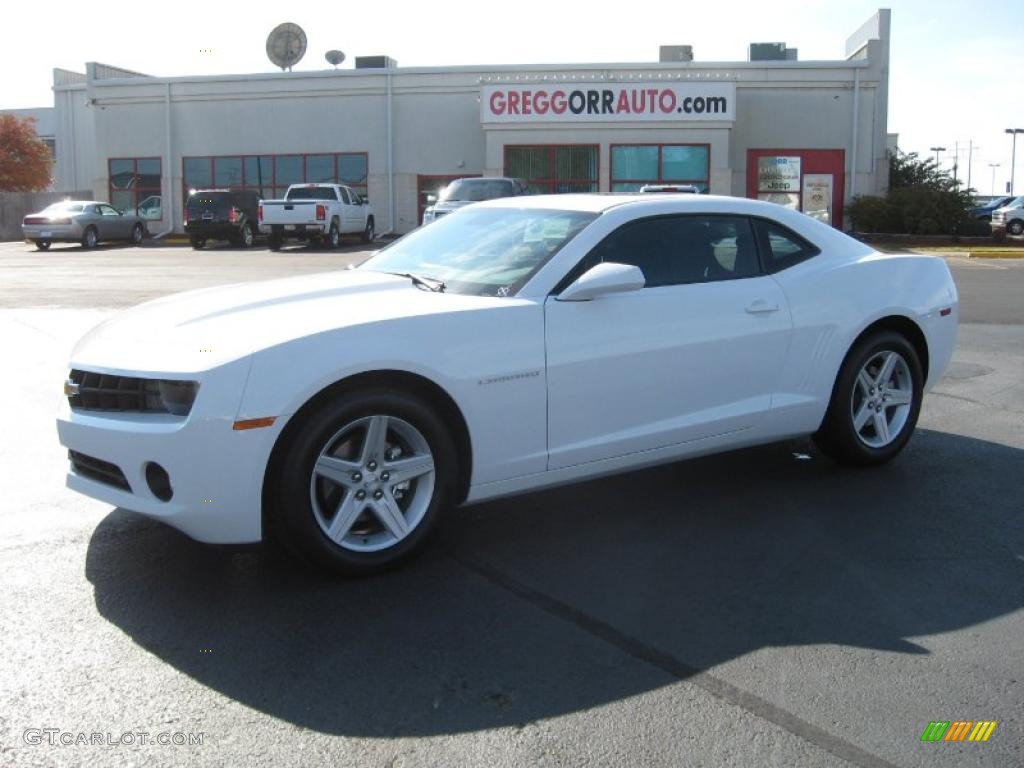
[993, 166]
[1013, 154]
[936, 150]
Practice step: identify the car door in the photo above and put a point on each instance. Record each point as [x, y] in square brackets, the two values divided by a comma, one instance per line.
[350, 212]
[694, 354]
[112, 224]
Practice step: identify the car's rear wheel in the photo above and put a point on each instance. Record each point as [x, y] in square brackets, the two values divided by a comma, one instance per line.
[137, 234]
[369, 233]
[90, 237]
[198, 242]
[333, 236]
[361, 481]
[247, 236]
[43, 245]
[1015, 227]
[875, 402]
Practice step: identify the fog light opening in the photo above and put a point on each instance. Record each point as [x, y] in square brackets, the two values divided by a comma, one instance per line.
[159, 481]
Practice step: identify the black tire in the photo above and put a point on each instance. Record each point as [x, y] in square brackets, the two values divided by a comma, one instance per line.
[42, 245]
[90, 237]
[137, 234]
[369, 232]
[274, 242]
[198, 242]
[291, 516]
[1015, 227]
[333, 235]
[837, 437]
[247, 236]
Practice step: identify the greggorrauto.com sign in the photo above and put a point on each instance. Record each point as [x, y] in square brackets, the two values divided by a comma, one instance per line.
[606, 102]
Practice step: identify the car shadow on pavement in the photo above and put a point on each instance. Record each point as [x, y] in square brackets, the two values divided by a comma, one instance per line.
[560, 601]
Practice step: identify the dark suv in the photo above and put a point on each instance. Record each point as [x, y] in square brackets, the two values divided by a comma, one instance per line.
[222, 214]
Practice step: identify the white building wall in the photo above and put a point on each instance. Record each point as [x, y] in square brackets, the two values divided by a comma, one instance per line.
[436, 119]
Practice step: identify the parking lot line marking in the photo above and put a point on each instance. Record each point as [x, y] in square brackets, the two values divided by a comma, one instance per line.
[641, 651]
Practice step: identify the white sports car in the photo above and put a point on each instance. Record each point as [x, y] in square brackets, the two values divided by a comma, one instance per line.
[514, 344]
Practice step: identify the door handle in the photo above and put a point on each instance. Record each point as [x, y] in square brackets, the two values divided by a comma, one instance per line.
[761, 307]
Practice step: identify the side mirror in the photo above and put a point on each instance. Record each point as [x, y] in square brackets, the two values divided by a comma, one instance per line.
[608, 277]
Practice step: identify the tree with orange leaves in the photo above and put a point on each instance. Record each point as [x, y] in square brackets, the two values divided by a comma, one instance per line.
[25, 161]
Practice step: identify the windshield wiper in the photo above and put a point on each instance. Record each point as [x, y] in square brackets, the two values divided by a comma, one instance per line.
[430, 283]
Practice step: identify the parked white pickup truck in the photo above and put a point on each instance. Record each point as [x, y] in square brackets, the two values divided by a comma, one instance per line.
[316, 212]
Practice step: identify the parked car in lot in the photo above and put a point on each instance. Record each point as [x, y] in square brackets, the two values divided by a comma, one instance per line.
[984, 212]
[88, 222]
[512, 345]
[221, 214]
[461, 192]
[1010, 217]
[318, 212]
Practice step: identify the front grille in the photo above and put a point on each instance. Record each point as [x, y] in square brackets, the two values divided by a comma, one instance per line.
[98, 470]
[103, 392]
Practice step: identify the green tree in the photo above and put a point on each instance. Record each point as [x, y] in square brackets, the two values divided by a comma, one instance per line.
[25, 161]
[921, 200]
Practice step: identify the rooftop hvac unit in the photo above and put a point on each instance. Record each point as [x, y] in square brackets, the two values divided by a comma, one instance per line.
[670, 53]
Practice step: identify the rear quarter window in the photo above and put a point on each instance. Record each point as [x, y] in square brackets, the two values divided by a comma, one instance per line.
[781, 247]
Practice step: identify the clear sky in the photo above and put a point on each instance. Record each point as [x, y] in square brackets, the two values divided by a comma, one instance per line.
[957, 67]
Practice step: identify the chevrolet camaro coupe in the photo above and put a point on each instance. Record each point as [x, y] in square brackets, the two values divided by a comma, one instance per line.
[511, 345]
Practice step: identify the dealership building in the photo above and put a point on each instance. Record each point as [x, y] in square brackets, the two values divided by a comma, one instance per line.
[806, 134]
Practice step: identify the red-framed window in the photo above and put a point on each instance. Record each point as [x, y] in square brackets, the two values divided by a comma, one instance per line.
[554, 168]
[270, 175]
[634, 165]
[134, 185]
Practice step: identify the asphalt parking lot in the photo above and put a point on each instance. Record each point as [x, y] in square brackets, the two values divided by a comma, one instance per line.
[760, 608]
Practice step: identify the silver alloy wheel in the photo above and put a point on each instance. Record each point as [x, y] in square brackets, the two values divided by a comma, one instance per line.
[882, 398]
[369, 231]
[372, 483]
[247, 236]
[90, 238]
[334, 235]
[137, 234]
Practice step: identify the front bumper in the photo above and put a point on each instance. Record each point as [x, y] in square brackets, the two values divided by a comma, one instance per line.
[216, 473]
[53, 233]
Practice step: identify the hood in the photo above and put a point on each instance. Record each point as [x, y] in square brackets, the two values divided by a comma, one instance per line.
[199, 330]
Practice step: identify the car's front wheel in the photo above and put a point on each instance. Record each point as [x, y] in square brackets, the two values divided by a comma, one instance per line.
[368, 232]
[1016, 227]
[875, 402]
[361, 480]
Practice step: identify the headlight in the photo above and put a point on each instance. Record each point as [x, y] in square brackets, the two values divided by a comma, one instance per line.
[428, 214]
[178, 396]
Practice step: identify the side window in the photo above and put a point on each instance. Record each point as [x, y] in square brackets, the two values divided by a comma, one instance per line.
[106, 210]
[344, 196]
[676, 250]
[782, 248]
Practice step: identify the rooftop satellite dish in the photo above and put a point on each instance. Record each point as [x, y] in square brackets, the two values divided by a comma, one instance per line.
[334, 58]
[286, 45]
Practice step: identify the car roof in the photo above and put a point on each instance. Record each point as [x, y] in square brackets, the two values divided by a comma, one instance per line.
[77, 202]
[599, 203]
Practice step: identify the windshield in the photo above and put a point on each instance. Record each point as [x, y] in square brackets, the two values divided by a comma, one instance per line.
[476, 189]
[482, 252]
[311, 193]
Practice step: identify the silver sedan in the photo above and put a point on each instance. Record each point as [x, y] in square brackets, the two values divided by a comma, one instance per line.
[81, 221]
